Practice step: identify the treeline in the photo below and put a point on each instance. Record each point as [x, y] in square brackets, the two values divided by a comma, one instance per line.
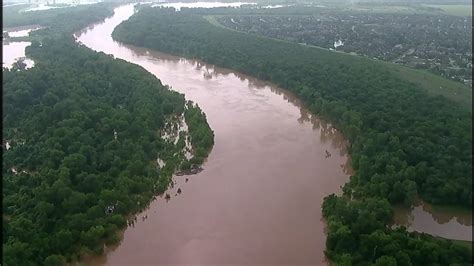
[201, 134]
[83, 137]
[60, 118]
[387, 37]
[358, 235]
[404, 142]
[58, 21]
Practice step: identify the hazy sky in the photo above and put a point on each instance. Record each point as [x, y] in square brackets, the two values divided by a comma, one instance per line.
[350, 1]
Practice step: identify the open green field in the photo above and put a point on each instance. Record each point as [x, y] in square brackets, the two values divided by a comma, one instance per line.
[381, 8]
[434, 84]
[463, 243]
[456, 10]
[467, 244]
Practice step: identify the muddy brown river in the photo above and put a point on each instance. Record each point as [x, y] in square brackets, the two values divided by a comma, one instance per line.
[258, 200]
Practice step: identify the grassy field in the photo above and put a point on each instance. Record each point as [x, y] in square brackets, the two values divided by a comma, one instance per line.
[463, 243]
[456, 10]
[467, 244]
[459, 210]
[381, 9]
[434, 84]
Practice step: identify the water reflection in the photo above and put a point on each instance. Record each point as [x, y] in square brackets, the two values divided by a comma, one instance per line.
[21, 31]
[14, 52]
[439, 221]
[211, 72]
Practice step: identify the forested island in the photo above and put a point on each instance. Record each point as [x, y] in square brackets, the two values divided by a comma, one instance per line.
[82, 135]
[405, 141]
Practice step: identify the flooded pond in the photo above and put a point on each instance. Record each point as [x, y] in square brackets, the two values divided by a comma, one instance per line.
[438, 221]
[258, 200]
[22, 31]
[15, 51]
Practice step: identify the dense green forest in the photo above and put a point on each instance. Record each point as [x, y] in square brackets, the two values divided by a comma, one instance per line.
[83, 133]
[404, 141]
[57, 21]
[358, 235]
[201, 134]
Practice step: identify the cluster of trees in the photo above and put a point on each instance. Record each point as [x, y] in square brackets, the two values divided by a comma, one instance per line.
[358, 235]
[61, 21]
[404, 141]
[201, 134]
[60, 118]
[436, 42]
[14, 15]
[83, 136]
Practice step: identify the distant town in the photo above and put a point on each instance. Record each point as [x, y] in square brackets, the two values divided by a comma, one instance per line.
[438, 43]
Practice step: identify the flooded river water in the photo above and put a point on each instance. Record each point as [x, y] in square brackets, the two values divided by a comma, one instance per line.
[258, 200]
[14, 51]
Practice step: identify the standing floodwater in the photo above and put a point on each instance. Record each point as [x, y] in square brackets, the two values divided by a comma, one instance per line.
[444, 222]
[258, 200]
[15, 51]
